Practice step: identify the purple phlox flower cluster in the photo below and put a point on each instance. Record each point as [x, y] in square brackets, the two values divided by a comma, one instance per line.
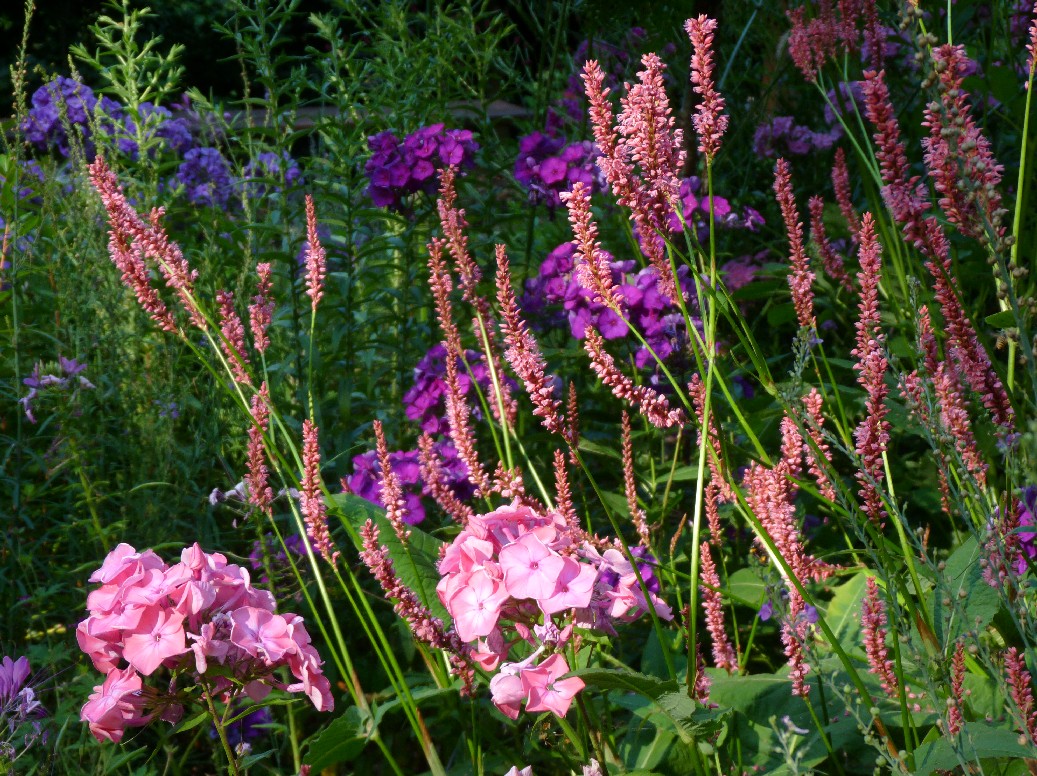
[782, 136]
[39, 383]
[397, 169]
[695, 209]
[740, 272]
[43, 125]
[205, 177]
[425, 402]
[555, 297]
[845, 100]
[367, 478]
[18, 706]
[265, 174]
[547, 166]
[187, 617]
[1027, 531]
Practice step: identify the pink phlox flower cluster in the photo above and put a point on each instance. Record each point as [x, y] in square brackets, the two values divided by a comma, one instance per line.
[147, 615]
[522, 567]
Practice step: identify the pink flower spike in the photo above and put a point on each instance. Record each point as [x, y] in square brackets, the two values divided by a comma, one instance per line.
[316, 258]
[709, 124]
[261, 311]
[531, 569]
[545, 689]
[157, 636]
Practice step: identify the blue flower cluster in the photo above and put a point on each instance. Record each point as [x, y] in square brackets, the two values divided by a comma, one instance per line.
[397, 169]
[204, 176]
[547, 166]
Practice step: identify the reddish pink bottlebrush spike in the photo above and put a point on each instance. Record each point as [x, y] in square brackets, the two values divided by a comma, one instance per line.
[712, 602]
[813, 41]
[815, 421]
[1021, 685]
[564, 498]
[961, 164]
[708, 120]
[637, 515]
[1031, 47]
[794, 632]
[955, 720]
[260, 495]
[311, 497]
[872, 435]
[261, 311]
[652, 404]
[800, 277]
[425, 626]
[523, 352]
[830, 258]
[592, 266]
[391, 490]
[902, 193]
[133, 241]
[316, 258]
[841, 186]
[873, 631]
[233, 340]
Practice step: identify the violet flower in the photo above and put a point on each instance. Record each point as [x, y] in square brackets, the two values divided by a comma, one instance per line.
[396, 169]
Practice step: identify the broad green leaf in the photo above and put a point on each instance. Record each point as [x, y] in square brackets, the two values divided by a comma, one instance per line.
[962, 581]
[746, 587]
[844, 610]
[689, 719]
[979, 740]
[192, 722]
[415, 563]
[1002, 320]
[252, 759]
[340, 741]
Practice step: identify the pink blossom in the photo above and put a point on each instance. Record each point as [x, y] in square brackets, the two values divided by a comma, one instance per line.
[531, 570]
[476, 605]
[260, 633]
[546, 690]
[573, 588]
[507, 693]
[157, 636]
[114, 705]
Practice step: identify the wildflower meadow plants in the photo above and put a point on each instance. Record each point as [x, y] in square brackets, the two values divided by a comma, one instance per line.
[718, 477]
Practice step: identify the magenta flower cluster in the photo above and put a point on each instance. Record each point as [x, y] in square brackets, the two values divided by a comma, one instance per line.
[397, 169]
[187, 618]
[425, 401]
[556, 297]
[547, 167]
[366, 479]
[518, 579]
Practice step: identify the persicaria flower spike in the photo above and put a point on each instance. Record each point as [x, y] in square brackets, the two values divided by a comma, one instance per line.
[316, 258]
[261, 311]
[233, 340]
[873, 629]
[1020, 684]
[709, 122]
[724, 655]
[311, 497]
[260, 495]
[392, 492]
[800, 277]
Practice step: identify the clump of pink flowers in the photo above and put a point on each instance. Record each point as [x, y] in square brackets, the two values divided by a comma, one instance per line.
[520, 576]
[202, 620]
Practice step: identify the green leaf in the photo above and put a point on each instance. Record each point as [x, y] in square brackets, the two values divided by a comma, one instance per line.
[416, 563]
[192, 722]
[340, 741]
[962, 581]
[669, 697]
[1002, 320]
[844, 610]
[746, 587]
[979, 740]
[252, 759]
[593, 447]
